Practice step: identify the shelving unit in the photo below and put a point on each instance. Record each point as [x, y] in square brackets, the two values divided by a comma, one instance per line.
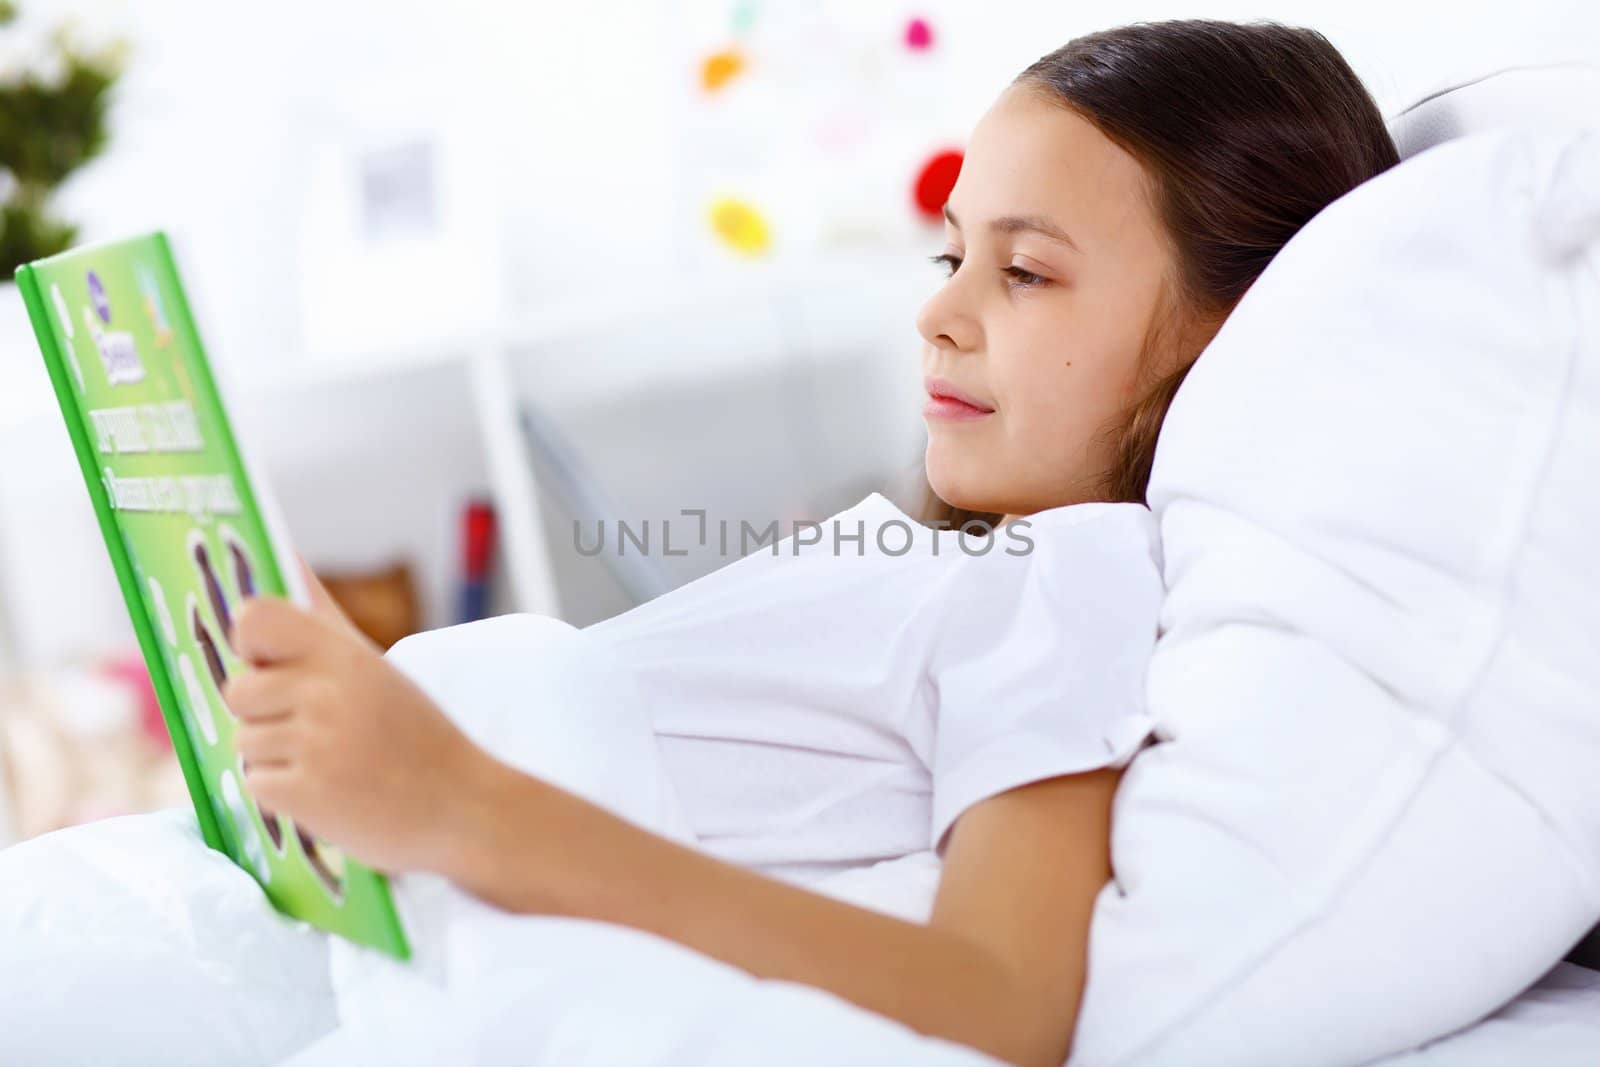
[790, 327]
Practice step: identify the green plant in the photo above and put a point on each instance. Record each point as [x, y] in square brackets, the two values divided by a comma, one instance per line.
[52, 121]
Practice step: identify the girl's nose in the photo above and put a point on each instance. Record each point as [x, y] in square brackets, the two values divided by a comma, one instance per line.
[946, 322]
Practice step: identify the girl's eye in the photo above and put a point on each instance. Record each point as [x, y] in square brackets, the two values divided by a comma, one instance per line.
[1024, 277]
[949, 262]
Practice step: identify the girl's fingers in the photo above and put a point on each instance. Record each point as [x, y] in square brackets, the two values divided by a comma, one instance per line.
[321, 599]
[270, 629]
[260, 695]
[267, 744]
[326, 607]
[272, 786]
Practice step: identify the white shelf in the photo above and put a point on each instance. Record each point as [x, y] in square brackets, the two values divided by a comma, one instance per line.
[785, 325]
[857, 274]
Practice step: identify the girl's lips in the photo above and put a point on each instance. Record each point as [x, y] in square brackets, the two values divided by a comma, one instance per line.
[948, 407]
[946, 400]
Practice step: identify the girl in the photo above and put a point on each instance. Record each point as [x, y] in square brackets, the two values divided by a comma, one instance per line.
[859, 705]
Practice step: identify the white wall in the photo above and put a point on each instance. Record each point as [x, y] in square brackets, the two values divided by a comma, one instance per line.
[222, 116]
[1399, 49]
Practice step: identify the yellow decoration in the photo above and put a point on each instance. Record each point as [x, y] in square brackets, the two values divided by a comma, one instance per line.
[720, 68]
[740, 226]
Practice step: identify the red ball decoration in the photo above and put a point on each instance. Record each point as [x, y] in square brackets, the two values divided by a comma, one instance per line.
[934, 182]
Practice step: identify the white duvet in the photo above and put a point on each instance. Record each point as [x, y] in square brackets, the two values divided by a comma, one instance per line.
[128, 942]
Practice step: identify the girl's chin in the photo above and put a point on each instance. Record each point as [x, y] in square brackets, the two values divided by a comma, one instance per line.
[957, 485]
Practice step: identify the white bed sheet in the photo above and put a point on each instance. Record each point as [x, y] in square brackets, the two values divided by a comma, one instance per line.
[675, 1014]
[1554, 1024]
[101, 960]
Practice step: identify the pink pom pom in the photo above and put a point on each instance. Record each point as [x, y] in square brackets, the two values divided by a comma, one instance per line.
[919, 35]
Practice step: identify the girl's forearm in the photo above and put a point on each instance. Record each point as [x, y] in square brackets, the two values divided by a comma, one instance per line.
[527, 846]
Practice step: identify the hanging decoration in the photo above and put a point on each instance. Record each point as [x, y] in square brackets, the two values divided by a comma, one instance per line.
[934, 182]
[740, 225]
[744, 16]
[919, 35]
[720, 68]
[804, 126]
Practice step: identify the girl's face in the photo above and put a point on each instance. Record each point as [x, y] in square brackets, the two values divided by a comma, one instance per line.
[1058, 268]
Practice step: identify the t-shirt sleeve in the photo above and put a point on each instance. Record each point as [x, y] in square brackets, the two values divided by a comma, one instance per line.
[1039, 666]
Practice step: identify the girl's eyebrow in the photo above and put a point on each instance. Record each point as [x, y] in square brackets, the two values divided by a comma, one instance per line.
[1018, 223]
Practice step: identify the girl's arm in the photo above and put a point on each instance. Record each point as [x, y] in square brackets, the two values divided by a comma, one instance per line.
[999, 967]
[338, 738]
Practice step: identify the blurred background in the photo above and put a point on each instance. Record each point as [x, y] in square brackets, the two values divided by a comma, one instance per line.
[472, 273]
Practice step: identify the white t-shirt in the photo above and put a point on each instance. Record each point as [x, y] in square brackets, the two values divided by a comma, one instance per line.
[837, 704]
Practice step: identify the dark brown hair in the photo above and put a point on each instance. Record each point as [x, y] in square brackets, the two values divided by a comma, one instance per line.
[1245, 130]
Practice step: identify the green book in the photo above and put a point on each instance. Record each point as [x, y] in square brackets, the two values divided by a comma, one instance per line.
[191, 531]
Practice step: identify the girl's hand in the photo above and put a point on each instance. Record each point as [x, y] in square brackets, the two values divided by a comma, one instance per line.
[338, 739]
[323, 603]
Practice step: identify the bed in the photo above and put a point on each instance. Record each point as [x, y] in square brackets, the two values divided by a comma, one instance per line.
[210, 974]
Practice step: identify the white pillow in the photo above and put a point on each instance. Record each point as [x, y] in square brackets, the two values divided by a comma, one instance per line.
[1375, 816]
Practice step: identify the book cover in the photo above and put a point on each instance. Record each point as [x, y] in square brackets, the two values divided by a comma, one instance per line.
[190, 532]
